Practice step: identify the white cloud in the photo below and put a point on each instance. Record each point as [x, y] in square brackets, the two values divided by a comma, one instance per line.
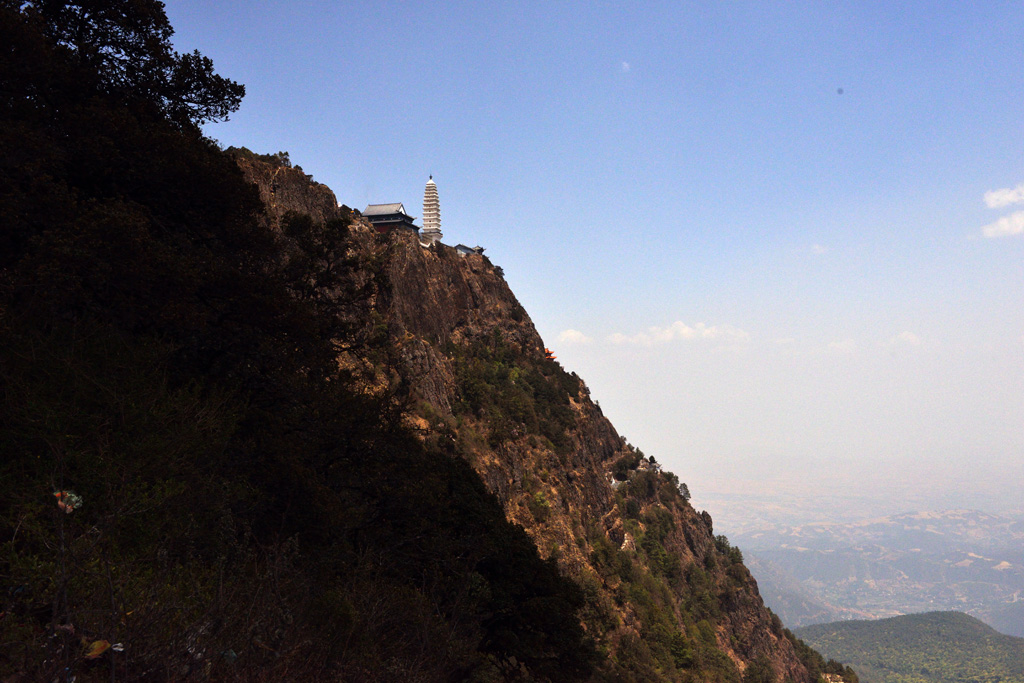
[905, 338]
[819, 249]
[624, 67]
[1005, 226]
[997, 199]
[655, 336]
[844, 346]
[574, 337]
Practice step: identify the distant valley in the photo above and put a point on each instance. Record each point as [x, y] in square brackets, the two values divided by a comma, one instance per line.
[961, 560]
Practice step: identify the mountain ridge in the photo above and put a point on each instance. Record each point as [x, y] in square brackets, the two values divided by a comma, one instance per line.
[931, 647]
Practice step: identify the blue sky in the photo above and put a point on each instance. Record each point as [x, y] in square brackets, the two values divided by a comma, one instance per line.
[792, 195]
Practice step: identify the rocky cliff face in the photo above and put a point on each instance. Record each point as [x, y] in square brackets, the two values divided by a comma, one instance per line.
[283, 189]
[667, 600]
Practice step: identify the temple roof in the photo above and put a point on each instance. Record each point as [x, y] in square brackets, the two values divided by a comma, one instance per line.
[384, 209]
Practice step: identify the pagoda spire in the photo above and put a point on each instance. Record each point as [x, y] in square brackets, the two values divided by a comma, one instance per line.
[431, 231]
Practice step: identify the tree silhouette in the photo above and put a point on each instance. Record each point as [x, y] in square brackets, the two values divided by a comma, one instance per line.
[122, 48]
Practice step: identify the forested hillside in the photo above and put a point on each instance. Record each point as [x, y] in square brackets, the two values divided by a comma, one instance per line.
[936, 647]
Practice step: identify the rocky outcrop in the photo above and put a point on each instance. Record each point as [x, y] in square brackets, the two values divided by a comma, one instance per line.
[286, 188]
[657, 579]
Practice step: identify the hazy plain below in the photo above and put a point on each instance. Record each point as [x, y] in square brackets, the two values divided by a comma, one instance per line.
[837, 552]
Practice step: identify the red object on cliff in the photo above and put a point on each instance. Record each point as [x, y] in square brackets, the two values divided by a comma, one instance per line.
[548, 355]
[68, 501]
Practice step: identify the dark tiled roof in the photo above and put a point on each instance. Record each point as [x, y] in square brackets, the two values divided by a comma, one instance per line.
[384, 209]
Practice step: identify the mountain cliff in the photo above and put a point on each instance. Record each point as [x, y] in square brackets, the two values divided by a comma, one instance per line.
[666, 599]
[245, 437]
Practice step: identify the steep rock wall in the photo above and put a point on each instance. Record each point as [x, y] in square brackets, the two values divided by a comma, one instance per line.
[450, 320]
[439, 298]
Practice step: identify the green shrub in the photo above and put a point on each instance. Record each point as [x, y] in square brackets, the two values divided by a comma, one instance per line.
[514, 393]
[539, 506]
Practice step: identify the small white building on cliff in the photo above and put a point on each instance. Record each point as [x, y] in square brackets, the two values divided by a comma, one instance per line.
[385, 217]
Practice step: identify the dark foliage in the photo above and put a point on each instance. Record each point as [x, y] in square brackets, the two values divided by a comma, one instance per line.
[278, 160]
[759, 671]
[121, 49]
[515, 393]
[622, 467]
[816, 664]
[170, 361]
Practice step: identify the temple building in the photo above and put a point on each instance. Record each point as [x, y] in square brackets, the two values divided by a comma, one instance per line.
[384, 217]
[431, 232]
[463, 250]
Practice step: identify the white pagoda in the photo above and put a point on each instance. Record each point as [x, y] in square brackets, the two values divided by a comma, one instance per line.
[431, 232]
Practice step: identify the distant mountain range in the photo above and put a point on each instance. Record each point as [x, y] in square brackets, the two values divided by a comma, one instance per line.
[935, 647]
[961, 560]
